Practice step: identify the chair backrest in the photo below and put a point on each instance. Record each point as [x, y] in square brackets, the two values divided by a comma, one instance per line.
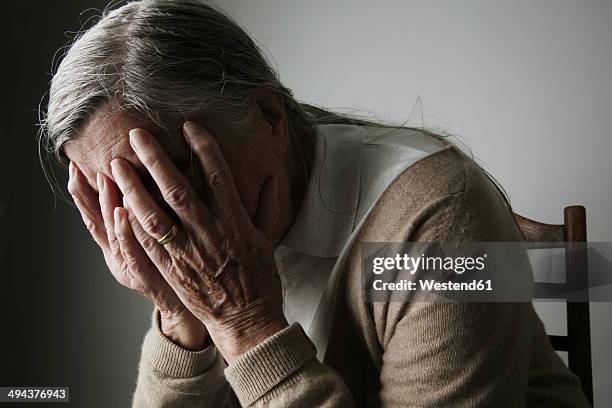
[577, 343]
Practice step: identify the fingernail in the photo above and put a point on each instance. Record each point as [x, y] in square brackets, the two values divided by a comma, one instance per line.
[138, 138]
[190, 128]
[100, 181]
[118, 167]
[117, 215]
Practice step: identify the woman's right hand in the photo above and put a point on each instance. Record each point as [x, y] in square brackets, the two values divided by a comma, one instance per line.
[121, 239]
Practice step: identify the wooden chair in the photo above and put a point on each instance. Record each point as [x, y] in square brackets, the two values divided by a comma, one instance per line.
[577, 343]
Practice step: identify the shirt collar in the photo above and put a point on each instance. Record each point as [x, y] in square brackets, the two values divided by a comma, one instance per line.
[326, 217]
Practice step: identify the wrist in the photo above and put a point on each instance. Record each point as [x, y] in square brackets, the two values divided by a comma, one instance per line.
[240, 335]
[185, 330]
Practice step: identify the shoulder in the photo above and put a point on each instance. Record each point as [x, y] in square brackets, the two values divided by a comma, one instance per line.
[426, 184]
[437, 175]
[446, 190]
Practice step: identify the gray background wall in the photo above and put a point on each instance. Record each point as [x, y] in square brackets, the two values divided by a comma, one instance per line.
[523, 83]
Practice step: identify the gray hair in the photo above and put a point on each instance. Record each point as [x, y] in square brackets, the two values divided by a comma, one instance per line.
[160, 59]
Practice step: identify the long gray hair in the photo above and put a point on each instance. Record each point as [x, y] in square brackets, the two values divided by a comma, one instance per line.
[163, 59]
[166, 59]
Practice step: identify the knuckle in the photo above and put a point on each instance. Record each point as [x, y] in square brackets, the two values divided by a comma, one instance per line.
[116, 252]
[123, 240]
[148, 244]
[148, 157]
[131, 262]
[150, 160]
[216, 179]
[152, 224]
[226, 218]
[91, 226]
[177, 196]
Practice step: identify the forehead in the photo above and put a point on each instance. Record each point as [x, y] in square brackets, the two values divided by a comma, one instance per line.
[105, 137]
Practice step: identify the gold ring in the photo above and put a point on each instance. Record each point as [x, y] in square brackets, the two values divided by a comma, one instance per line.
[169, 236]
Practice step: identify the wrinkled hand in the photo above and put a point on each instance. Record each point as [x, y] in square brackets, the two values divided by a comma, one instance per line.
[220, 265]
[126, 259]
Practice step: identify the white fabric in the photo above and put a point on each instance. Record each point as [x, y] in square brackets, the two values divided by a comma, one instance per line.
[352, 167]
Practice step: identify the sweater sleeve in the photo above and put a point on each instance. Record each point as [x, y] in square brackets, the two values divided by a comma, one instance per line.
[283, 371]
[170, 376]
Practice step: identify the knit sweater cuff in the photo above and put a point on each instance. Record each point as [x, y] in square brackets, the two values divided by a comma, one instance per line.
[258, 370]
[171, 359]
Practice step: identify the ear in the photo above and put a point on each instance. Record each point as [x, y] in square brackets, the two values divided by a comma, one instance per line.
[270, 108]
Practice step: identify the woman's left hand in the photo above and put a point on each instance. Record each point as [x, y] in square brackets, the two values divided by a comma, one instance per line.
[220, 264]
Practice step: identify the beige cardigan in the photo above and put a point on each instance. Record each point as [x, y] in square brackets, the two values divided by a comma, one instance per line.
[388, 354]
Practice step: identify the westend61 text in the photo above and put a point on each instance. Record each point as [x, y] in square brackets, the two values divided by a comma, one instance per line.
[433, 285]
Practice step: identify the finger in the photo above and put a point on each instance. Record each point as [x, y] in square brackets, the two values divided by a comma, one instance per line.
[145, 276]
[154, 221]
[132, 253]
[154, 250]
[86, 201]
[95, 228]
[225, 198]
[175, 189]
[268, 207]
[109, 198]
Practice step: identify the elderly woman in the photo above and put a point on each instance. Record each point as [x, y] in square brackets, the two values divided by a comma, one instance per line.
[239, 213]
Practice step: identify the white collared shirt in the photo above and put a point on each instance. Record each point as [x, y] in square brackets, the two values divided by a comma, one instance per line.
[353, 165]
